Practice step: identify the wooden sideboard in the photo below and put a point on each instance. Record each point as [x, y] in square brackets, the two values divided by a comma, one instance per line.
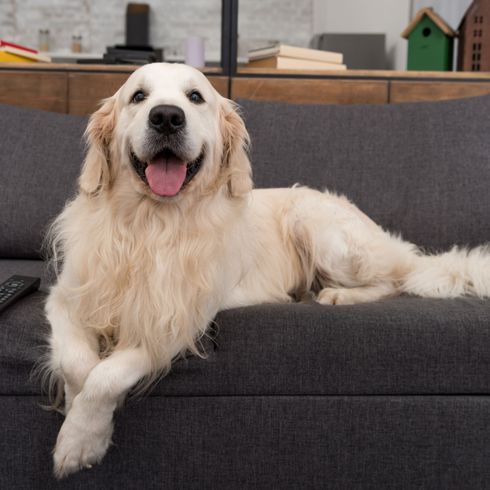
[358, 86]
[72, 89]
[77, 89]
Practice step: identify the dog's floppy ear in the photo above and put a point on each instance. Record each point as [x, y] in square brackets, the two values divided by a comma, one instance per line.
[236, 164]
[96, 170]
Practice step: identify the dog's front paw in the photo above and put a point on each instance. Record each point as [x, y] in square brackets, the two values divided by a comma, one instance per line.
[80, 444]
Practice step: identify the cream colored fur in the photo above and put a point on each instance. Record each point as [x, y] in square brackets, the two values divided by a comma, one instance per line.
[143, 276]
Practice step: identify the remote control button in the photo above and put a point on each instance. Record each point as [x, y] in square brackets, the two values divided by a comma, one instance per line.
[15, 288]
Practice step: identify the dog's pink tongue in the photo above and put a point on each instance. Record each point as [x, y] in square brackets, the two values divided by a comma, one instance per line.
[165, 175]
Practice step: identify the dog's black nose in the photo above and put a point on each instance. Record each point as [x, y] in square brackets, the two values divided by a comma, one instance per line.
[167, 119]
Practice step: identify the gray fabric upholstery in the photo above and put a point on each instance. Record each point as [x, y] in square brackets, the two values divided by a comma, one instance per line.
[264, 443]
[33, 268]
[419, 169]
[40, 158]
[400, 347]
[23, 335]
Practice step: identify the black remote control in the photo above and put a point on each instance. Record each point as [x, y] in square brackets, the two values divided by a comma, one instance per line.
[16, 287]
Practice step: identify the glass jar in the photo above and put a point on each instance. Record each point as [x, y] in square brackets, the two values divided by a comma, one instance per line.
[76, 44]
[43, 40]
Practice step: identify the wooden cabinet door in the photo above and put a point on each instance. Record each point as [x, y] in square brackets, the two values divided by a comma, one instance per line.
[311, 91]
[39, 90]
[414, 91]
[86, 90]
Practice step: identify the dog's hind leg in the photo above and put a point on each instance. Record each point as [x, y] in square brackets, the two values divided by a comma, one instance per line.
[362, 269]
[353, 259]
[351, 296]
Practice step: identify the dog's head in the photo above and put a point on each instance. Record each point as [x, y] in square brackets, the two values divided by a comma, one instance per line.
[168, 135]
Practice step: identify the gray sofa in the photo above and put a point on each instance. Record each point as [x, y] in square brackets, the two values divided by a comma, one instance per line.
[393, 394]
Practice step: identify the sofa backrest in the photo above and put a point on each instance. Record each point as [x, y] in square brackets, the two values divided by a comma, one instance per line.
[422, 169]
[419, 169]
[40, 158]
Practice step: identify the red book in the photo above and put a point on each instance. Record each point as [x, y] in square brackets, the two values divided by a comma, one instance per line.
[17, 46]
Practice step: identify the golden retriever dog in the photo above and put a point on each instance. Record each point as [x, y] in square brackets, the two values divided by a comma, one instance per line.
[166, 231]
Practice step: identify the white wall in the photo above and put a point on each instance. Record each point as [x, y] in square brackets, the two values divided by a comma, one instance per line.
[288, 21]
[102, 22]
[367, 17]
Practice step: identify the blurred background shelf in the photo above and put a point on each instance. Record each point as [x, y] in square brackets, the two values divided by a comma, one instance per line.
[77, 89]
[70, 88]
[392, 74]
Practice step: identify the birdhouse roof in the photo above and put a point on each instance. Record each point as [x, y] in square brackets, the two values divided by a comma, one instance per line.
[438, 21]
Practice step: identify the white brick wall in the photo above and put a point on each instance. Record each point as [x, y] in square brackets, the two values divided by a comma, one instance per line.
[102, 22]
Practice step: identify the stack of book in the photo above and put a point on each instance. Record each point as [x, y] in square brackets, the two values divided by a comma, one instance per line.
[284, 57]
[10, 52]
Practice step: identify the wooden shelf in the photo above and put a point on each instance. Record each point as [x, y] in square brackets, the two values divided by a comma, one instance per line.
[71, 88]
[375, 74]
[75, 67]
[311, 91]
[388, 74]
[356, 86]
[77, 89]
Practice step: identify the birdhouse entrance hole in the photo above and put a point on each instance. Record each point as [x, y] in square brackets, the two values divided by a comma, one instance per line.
[426, 32]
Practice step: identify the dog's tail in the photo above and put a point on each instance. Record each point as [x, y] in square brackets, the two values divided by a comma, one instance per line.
[459, 272]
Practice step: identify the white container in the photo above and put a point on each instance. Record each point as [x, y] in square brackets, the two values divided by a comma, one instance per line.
[194, 51]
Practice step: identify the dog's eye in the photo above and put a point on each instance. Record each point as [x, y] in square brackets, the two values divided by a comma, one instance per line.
[195, 97]
[138, 97]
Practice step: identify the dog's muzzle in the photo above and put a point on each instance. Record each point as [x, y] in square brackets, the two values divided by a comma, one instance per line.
[166, 173]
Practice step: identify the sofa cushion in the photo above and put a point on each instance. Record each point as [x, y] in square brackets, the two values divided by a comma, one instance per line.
[40, 158]
[398, 346]
[422, 169]
[26, 267]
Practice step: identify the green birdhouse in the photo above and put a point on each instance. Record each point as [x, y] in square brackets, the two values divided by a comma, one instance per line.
[430, 42]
